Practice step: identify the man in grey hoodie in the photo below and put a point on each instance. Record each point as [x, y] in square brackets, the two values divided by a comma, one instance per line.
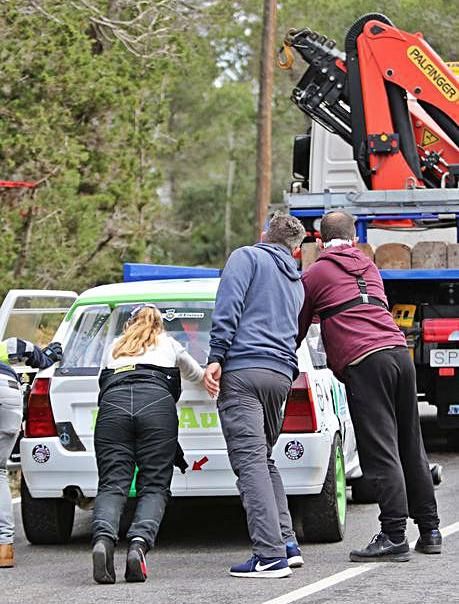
[253, 361]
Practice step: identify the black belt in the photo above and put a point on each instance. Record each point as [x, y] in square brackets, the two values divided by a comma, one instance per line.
[168, 377]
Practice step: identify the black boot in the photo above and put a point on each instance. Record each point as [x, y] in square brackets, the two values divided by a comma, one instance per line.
[429, 542]
[136, 566]
[382, 549]
[102, 560]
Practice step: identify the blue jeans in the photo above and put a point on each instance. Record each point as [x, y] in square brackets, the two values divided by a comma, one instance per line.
[10, 424]
[137, 425]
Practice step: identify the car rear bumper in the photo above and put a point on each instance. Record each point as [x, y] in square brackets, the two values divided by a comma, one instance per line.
[302, 460]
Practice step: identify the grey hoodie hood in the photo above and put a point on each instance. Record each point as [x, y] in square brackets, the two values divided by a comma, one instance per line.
[255, 321]
[283, 259]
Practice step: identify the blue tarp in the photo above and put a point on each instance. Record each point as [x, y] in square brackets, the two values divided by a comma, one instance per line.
[413, 274]
[153, 272]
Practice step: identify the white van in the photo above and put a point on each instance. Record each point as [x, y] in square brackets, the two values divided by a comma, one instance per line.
[315, 453]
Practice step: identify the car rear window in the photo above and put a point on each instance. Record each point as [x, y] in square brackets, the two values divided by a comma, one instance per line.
[36, 318]
[93, 332]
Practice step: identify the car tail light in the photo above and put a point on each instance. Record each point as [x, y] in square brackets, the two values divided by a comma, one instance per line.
[40, 419]
[300, 415]
[439, 330]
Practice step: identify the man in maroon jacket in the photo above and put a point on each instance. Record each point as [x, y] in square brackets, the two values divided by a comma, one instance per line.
[368, 352]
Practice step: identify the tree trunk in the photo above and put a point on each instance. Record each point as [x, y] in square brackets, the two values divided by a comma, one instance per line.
[229, 193]
[264, 126]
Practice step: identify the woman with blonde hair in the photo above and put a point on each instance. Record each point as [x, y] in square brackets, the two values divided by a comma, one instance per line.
[137, 425]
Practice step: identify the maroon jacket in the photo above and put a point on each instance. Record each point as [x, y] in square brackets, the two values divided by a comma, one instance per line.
[358, 330]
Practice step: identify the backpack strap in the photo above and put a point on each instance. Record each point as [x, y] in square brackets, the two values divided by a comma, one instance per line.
[362, 298]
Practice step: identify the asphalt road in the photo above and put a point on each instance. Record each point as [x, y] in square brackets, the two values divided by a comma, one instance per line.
[198, 543]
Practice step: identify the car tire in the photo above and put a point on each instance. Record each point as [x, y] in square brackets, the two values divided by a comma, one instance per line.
[47, 521]
[322, 518]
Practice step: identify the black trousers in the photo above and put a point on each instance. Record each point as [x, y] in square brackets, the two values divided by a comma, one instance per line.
[384, 409]
[136, 425]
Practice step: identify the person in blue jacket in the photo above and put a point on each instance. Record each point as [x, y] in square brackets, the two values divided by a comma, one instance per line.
[253, 361]
[14, 350]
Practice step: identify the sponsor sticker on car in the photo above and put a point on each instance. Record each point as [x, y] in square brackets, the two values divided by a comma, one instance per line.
[41, 453]
[294, 450]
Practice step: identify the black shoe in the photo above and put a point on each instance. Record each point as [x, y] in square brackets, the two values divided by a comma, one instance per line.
[136, 566]
[429, 542]
[102, 560]
[381, 549]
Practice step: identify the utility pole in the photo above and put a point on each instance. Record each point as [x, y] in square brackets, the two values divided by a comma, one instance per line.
[264, 116]
[229, 193]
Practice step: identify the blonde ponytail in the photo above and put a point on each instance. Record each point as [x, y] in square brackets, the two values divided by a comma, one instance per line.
[139, 333]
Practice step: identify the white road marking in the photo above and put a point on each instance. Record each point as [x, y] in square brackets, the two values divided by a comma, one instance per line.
[344, 575]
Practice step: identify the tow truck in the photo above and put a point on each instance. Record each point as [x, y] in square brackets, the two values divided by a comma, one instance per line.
[384, 146]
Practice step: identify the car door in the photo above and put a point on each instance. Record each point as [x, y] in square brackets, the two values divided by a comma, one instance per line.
[34, 315]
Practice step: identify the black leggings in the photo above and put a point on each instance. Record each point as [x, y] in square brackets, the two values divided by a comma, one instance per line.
[384, 409]
[136, 425]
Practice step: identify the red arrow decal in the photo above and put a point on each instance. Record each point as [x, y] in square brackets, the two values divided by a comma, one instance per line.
[197, 465]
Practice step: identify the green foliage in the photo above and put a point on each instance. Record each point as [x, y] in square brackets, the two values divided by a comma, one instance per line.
[87, 123]
[140, 158]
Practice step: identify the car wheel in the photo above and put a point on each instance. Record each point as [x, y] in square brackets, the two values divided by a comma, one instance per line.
[322, 518]
[47, 521]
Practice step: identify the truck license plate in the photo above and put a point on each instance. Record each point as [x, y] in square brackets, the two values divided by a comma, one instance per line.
[444, 358]
[453, 410]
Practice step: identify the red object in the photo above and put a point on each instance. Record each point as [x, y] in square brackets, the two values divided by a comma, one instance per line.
[332, 280]
[387, 54]
[447, 372]
[17, 184]
[439, 330]
[143, 567]
[403, 103]
[341, 65]
[197, 465]
[300, 415]
[405, 223]
[40, 419]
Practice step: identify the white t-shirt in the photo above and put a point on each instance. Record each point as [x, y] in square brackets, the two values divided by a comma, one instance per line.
[166, 353]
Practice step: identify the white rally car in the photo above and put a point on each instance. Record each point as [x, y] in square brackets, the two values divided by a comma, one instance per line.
[315, 452]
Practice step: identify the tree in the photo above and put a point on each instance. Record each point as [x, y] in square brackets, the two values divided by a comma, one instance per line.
[264, 117]
[124, 110]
